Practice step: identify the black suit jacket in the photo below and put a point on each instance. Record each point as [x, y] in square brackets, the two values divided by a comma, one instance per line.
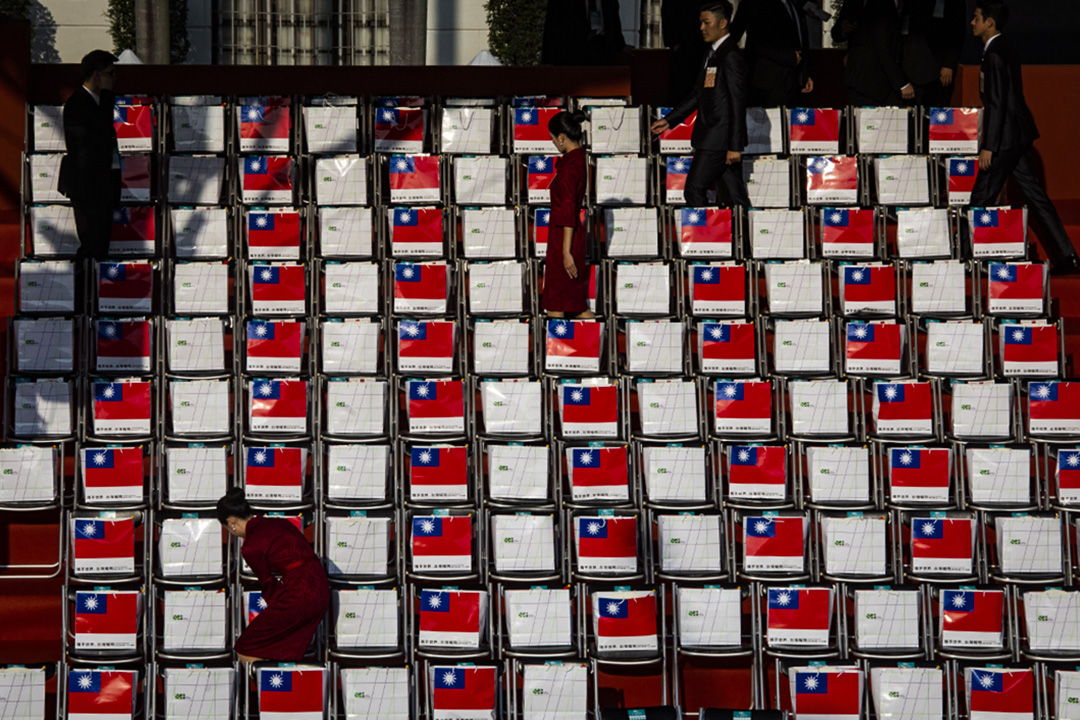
[86, 172]
[932, 43]
[1006, 121]
[873, 59]
[773, 39]
[721, 118]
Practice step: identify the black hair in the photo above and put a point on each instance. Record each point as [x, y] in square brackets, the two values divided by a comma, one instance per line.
[567, 123]
[720, 8]
[95, 61]
[233, 504]
[996, 9]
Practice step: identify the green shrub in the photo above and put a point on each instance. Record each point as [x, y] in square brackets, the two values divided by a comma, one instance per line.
[121, 14]
[516, 30]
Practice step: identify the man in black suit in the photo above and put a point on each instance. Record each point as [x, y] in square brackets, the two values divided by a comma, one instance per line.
[776, 44]
[90, 172]
[873, 74]
[1008, 130]
[719, 96]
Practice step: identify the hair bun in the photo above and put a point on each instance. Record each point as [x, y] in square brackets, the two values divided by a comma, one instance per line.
[579, 116]
[235, 493]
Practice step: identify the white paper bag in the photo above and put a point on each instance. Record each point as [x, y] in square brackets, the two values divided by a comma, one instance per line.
[357, 472]
[198, 128]
[196, 345]
[538, 617]
[923, 233]
[632, 232]
[200, 232]
[838, 474]
[955, 348]
[819, 408]
[795, 288]
[200, 407]
[668, 407]
[776, 234]
[53, 228]
[901, 693]
[999, 475]
[196, 474]
[341, 180]
[201, 288]
[43, 407]
[643, 289]
[768, 181]
[196, 179]
[351, 288]
[1066, 694]
[190, 547]
[881, 130]
[939, 287]
[982, 410]
[331, 128]
[887, 619]
[615, 130]
[621, 180]
[802, 346]
[655, 346]
[345, 232]
[709, 616]
[555, 692]
[512, 407]
[902, 180]
[523, 543]
[47, 286]
[855, 545]
[366, 618]
[30, 474]
[501, 347]
[674, 473]
[517, 472]
[358, 545]
[350, 347]
[690, 543]
[44, 345]
[496, 288]
[480, 180]
[466, 130]
[194, 620]
[376, 693]
[356, 407]
[44, 173]
[488, 233]
[765, 131]
[199, 693]
[49, 129]
[1052, 619]
[1029, 544]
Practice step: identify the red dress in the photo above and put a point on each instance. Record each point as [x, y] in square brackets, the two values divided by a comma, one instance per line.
[561, 292]
[296, 604]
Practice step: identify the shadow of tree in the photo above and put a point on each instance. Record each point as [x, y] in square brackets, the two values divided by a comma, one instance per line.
[43, 45]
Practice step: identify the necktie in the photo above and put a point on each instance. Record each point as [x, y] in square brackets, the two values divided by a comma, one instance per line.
[708, 56]
[794, 19]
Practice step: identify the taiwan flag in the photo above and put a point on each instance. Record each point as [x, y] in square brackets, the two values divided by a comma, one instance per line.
[531, 128]
[420, 287]
[757, 471]
[874, 348]
[540, 172]
[999, 694]
[273, 235]
[606, 544]
[677, 138]
[125, 286]
[998, 233]
[463, 693]
[832, 179]
[1054, 408]
[259, 124]
[106, 620]
[103, 546]
[743, 407]
[541, 222]
[292, 694]
[274, 473]
[774, 544]
[101, 694]
[942, 545]
[426, 346]
[255, 605]
[442, 543]
[278, 289]
[436, 406]
[625, 620]
[1016, 287]
[827, 693]
[112, 474]
[590, 410]
[133, 123]
[868, 289]
[1029, 349]
[276, 346]
[535, 101]
[573, 345]
[122, 408]
[135, 178]
[414, 178]
[133, 231]
[847, 231]
[451, 618]
[954, 130]
[798, 616]
[675, 178]
[279, 405]
[903, 408]
[123, 345]
[399, 129]
[599, 473]
[1068, 475]
[972, 618]
[268, 175]
[919, 474]
[728, 348]
[416, 231]
[814, 131]
[704, 231]
[718, 289]
[962, 174]
[439, 473]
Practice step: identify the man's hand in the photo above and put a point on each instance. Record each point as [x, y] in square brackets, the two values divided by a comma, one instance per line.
[568, 264]
[985, 156]
[733, 157]
[659, 126]
[946, 76]
[809, 86]
[907, 92]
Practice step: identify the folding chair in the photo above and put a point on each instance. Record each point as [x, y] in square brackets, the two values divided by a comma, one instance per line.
[202, 288]
[837, 476]
[653, 347]
[341, 180]
[175, 687]
[821, 409]
[466, 630]
[488, 233]
[729, 349]
[46, 346]
[677, 476]
[856, 548]
[355, 346]
[599, 474]
[759, 476]
[689, 546]
[188, 550]
[352, 289]
[795, 289]
[593, 408]
[1000, 477]
[667, 409]
[414, 233]
[124, 684]
[191, 624]
[625, 631]
[971, 622]
[517, 474]
[199, 347]
[799, 622]
[526, 547]
[744, 410]
[278, 476]
[573, 347]
[902, 180]
[41, 410]
[436, 474]
[444, 546]
[200, 409]
[1043, 621]
[772, 546]
[433, 409]
[848, 233]
[800, 348]
[893, 685]
[117, 478]
[346, 233]
[921, 234]
[532, 685]
[354, 687]
[885, 622]
[469, 126]
[608, 546]
[1030, 349]
[362, 548]
[982, 411]
[941, 546]
[125, 409]
[91, 638]
[953, 349]
[193, 476]
[1024, 549]
[705, 232]
[367, 623]
[538, 622]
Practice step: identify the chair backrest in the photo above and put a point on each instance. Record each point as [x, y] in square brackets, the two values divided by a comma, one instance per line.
[725, 714]
[659, 712]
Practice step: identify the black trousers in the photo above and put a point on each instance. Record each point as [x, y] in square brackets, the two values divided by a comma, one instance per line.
[860, 99]
[93, 223]
[1019, 162]
[711, 166]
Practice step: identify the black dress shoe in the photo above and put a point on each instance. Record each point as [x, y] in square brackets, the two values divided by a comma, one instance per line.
[1068, 266]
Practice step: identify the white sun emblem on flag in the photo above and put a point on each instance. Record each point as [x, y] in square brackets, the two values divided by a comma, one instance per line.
[744, 455]
[680, 166]
[113, 271]
[942, 116]
[404, 216]
[821, 164]
[985, 218]
[266, 389]
[783, 598]
[1043, 391]
[108, 392]
[706, 274]
[407, 272]
[958, 600]
[116, 114]
[717, 332]
[260, 330]
[260, 457]
[905, 458]
[427, 526]
[613, 608]
[262, 604]
[544, 217]
[986, 680]
[266, 275]
[422, 390]
[592, 528]
[109, 330]
[961, 167]
[91, 602]
[1074, 460]
[89, 530]
[1018, 335]
[928, 528]
[85, 681]
[837, 217]
[811, 683]
[277, 680]
[435, 600]
[388, 115]
[560, 329]
[540, 164]
[526, 116]
[860, 332]
[424, 456]
[802, 117]
[403, 165]
[261, 221]
[412, 330]
[857, 275]
[891, 392]
[760, 527]
[253, 114]
[449, 678]
[255, 165]
[730, 391]
[99, 458]
[585, 458]
[576, 395]
[118, 216]
[693, 217]
[1003, 272]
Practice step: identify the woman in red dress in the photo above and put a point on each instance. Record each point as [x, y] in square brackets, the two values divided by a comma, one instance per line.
[566, 277]
[295, 604]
